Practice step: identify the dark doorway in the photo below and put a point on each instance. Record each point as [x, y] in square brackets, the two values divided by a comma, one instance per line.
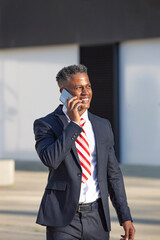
[102, 64]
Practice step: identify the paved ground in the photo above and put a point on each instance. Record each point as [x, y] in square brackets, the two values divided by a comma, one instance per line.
[19, 205]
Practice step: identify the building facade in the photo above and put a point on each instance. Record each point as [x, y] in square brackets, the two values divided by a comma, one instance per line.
[119, 42]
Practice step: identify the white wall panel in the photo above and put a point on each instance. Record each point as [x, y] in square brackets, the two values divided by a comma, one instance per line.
[28, 90]
[140, 102]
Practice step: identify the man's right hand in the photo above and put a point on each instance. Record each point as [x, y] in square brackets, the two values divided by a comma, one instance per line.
[72, 109]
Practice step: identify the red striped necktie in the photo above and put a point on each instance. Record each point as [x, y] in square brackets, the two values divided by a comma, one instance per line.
[83, 153]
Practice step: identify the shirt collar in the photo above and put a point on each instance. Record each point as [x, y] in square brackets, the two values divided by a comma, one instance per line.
[84, 115]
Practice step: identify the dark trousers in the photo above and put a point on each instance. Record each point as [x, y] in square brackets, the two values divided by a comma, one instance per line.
[86, 225]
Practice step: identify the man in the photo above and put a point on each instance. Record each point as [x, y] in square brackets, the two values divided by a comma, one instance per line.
[77, 147]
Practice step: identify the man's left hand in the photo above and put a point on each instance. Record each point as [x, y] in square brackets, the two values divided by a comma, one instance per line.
[129, 231]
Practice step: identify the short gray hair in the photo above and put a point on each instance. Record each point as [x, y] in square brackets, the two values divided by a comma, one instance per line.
[65, 73]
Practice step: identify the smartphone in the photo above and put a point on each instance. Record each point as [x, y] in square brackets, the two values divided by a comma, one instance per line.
[64, 95]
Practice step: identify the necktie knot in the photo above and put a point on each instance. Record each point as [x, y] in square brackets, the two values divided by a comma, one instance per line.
[82, 122]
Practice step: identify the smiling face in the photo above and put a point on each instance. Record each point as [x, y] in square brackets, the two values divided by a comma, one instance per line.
[80, 86]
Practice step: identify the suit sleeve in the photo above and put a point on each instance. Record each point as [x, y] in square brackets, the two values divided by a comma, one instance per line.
[53, 149]
[116, 185]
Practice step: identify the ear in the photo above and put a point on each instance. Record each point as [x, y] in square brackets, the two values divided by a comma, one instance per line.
[61, 89]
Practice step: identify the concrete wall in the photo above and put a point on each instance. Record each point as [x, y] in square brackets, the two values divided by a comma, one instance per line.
[140, 102]
[28, 90]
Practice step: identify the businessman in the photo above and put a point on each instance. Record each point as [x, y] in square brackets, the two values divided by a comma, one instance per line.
[77, 148]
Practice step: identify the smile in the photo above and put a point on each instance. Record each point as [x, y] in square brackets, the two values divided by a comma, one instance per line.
[85, 100]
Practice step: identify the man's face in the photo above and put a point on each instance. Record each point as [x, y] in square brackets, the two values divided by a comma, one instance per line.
[80, 86]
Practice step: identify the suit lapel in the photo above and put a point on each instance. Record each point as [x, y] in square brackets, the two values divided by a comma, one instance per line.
[98, 141]
[60, 114]
[64, 120]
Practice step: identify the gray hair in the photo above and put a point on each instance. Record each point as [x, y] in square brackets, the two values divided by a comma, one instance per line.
[65, 73]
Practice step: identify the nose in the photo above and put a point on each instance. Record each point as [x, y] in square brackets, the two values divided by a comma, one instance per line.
[84, 90]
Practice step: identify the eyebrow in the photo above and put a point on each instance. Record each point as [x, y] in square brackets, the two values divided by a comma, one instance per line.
[79, 85]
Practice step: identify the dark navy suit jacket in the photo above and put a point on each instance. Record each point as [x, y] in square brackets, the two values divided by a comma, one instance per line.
[55, 145]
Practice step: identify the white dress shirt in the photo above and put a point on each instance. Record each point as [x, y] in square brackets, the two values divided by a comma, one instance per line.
[89, 190]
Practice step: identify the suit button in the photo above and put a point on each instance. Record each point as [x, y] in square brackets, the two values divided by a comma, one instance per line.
[79, 174]
[72, 138]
